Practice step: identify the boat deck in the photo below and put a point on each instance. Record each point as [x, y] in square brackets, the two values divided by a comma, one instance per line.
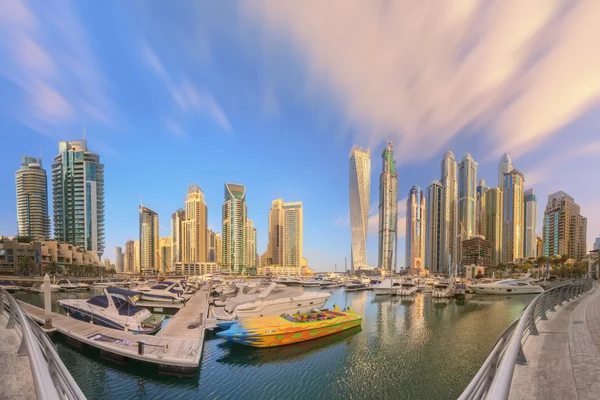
[174, 347]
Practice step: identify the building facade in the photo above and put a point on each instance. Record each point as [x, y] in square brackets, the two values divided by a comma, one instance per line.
[504, 167]
[78, 196]
[129, 262]
[218, 247]
[32, 199]
[388, 211]
[415, 230]
[165, 257]
[275, 243]
[177, 220]
[493, 222]
[195, 227]
[449, 182]
[293, 234]
[136, 260]
[12, 254]
[212, 245]
[149, 257]
[234, 219]
[250, 245]
[467, 197]
[480, 207]
[565, 229]
[597, 244]
[513, 221]
[435, 246]
[119, 259]
[477, 251]
[360, 197]
[531, 225]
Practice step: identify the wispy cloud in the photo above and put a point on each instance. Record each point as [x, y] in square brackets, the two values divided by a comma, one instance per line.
[51, 61]
[516, 72]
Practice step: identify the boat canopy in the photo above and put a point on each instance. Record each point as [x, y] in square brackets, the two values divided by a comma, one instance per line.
[121, 291]
[123, 306]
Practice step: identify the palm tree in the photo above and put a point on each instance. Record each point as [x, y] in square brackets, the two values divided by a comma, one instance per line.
[53, 268]
[25, 265]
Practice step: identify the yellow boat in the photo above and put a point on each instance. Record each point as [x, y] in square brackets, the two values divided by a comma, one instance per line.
[288, 329]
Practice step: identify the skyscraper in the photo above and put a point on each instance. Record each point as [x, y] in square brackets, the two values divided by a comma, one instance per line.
[149, 257]
[293, 234]
[212, 243]
[275, 244]
[480, 207]
[218, 248]
[32, 199]
[565, 229]
[177, 220]
[448, 181]
[504, 168]
[195, 227]
[493, 222]
[597, 244]
[136, 256]
[165, 258]
[78, 194]
[467, 197]
[531, 217]
[234, 227]
[415, 230]
[360, 194]
[250, 261]
[388, 211]
[129, 262]
[513, 222]
[435, 247]
[119, 259]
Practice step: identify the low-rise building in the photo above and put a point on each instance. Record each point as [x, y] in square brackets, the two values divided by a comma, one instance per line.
[67, 254]
[195, 268]
[477, 251]
[279, 270]
[13, 254]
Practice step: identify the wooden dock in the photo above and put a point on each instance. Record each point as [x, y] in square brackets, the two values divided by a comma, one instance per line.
[176, 349]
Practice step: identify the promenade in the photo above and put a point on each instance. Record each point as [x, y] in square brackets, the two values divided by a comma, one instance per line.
[17, 381]
[564, 359]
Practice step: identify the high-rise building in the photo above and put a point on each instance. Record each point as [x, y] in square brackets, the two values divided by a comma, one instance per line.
[218, 247]
[78, 194]
[293, 234]
[597, 244]
[360, 195]
[513, 222]
[250, 245]
[531, 223]
[195, 227]
[493, 222]
[119, 260]
[388, 211]
[234, 227]
[275, 243]
[565, 229]
[435, 246]
[212, 242]
[149, 257]
[504, 167]
[480, 207]
[32, 199]
[177, 220]
[165, 258]
[129, 262]
[415, 230]
[477, 251]
[540, 246]
[448, 181]
[137, 253]
[467, 199]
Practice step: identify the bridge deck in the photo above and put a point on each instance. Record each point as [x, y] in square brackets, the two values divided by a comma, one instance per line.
[175, 347]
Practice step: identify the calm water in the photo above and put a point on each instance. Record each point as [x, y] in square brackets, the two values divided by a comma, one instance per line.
[418, 349]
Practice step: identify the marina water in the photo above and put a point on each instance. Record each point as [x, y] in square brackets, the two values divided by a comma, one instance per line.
[422, 348]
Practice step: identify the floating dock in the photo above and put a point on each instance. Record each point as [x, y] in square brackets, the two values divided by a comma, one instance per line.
[176, 349]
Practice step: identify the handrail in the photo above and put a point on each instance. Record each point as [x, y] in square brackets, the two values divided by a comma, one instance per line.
[51, 378]
[493, 380]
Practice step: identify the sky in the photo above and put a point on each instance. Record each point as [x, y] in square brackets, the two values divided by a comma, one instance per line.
[273, 95]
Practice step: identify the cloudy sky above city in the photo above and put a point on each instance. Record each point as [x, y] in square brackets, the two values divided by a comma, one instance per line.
[274, 94]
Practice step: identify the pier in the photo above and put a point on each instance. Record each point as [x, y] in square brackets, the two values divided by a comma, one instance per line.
[176, 349]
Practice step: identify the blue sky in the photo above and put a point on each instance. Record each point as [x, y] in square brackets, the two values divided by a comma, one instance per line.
[273, 95]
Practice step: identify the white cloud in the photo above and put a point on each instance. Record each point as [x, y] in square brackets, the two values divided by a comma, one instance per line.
[421, 73]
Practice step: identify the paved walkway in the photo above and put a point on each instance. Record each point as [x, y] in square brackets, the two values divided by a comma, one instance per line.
[564, 359]
[16, 382]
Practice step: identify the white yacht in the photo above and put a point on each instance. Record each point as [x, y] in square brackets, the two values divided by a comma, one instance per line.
[291, 281]
[165, 291]
[388, 286]
[311, 283]
[9, 286]
[407, 288]
[66, 285]
[271, 301]
[102, 284]
[522, 285]
[443, 290]
[113, 309]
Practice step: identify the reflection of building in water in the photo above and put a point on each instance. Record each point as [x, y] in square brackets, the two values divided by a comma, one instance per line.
[417, 328]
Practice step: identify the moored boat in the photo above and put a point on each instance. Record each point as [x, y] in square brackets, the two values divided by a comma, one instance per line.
[387, 287]
[9, 286]
[289, 329]
[523, 285]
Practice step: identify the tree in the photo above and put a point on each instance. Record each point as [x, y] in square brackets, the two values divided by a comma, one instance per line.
[23, 239]
[25, 265]
[53, 268]
[112, 271]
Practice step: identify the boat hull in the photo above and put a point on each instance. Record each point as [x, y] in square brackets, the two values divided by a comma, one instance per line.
[505, 290]
[85, 316]
[384, 291]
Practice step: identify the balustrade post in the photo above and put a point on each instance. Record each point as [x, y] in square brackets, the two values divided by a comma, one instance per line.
[559, 301]
[532, 328]
[544, 302]
[47, 303]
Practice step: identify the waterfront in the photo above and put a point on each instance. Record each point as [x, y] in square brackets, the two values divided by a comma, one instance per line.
[421, 348]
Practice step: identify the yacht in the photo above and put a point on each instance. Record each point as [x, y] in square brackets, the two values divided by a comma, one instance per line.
[356, 287]
[443, 290]
[114, 309]
[271, 301]
[102, 284]
[407, 288]
[311, 283]
[387, 287]
[9, 287]
[165, 291]
[66, 285]
[291, 281]
[522, 285]
[82, 285]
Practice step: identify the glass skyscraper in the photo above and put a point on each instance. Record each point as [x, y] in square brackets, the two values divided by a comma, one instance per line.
[448, 181]
[435, 246]
[360, 195]
[531, 224]
[493, 222]
[234, 232]
[388, 211]
[513, 223]
[149, 246]
[32, 199]
[78, 195]
[504, 167]
[467, 198]
[415, 230]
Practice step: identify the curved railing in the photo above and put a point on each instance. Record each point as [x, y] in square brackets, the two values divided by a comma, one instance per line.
[51, 378]
[493, 380]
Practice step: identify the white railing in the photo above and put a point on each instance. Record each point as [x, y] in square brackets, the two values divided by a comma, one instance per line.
[51, 378]
[493, 380]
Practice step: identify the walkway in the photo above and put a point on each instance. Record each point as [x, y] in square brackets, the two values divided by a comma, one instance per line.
[17, 382]
[564, 359]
